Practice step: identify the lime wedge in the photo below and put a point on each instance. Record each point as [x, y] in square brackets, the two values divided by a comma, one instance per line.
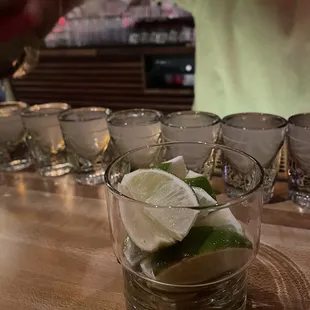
[195, 180]
[204, 198]
[164, 166]
[159, 188]
[142, 230]
[177, 221]
[192, 174]
[222, 239]
[151, 228]
[203, 249]
[207, 267]
[223, 218]
[175, 166]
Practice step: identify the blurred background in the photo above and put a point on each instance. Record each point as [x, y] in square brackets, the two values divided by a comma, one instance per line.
[106, 23]
[117, 55]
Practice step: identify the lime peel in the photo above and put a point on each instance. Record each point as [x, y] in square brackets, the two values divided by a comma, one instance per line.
[200, 241]
[201, 182]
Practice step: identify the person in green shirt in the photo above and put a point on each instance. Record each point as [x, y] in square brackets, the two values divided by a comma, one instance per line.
[251, 55]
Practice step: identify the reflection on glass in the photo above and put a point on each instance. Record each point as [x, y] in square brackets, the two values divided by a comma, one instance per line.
[87, 138]
[14, 154]
[44, 138]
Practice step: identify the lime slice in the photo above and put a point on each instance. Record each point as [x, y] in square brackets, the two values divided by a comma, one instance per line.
[177, 221]
[204, 198]
[142, 230]
[192, 174]
[175, 166]
[203, 246]
[164, 166]
[205, 268]
[196, 180]
[151, 228]
[159, 188]
[223, 218]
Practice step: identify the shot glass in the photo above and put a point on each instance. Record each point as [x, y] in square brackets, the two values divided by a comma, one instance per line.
[86, 136]
[130, 129]
[259, 135]
[192, 126]
[14, 154]
[299, 159]
[205, 270]
[45, 140]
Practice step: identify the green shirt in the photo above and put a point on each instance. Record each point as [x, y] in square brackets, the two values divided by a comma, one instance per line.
[251, 56]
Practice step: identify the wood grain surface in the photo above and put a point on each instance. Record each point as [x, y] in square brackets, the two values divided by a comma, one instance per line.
[55, 250]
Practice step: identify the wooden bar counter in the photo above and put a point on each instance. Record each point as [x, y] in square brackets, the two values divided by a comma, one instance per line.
[55, 250]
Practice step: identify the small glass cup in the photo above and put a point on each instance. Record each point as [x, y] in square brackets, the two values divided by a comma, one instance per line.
[299, 159]
[87, 137]
[45, 140]
[259, 135]
[169, 277]
[14, 154]
[130, 129]
[192, 126]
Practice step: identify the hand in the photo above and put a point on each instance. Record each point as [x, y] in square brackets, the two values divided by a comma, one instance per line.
[21, 16]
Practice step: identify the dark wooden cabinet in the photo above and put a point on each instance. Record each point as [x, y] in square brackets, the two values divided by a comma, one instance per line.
[110, 77]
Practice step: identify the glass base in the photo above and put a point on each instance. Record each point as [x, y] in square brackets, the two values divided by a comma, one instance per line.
[236, 183]
[16, 165]
[55, 171]
[90, 178]
[132, 307]
[142, 295]
[300, 198]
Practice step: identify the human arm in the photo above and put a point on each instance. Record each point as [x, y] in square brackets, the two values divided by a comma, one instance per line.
[17, 17]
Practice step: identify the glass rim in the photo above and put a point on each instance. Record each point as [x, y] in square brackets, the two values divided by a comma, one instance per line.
[64, 113]
[11, 109]
[31, 111]
[165, 119]
[225, 120]
[291, 119]
[217, 207]
[21, 104]
[113, 115]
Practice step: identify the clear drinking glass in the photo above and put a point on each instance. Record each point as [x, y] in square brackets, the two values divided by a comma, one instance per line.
[14, 154]
[45, 140]
[185, 275]
[259, 135]
[130, 129]
[299, 159]
[192, 126]
[86, 135]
